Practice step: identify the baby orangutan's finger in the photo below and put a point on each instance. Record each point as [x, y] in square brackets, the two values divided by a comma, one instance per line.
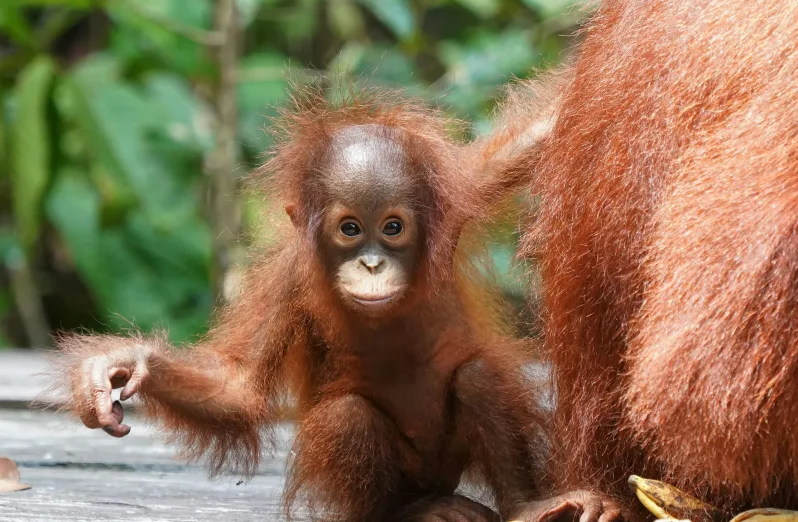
[100, 383]
[140, 374]
[591, 510]
[118, 377]
[567, 508]
[114, 427]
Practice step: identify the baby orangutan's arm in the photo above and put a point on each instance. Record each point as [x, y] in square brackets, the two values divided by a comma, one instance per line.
[212, 398]
[196, 385]
[209, 403]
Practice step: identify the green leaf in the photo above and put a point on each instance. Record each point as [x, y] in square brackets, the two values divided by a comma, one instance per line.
[117, 121]
[9, 247]
[489, 59]
[14, 24]
[376, 65]
[345, 19]
[90, 107]
[75, 4]
[4, 152]
[348, 59]
[553, 8]
[77, 130]
[300, 22]
[125, 128]
[248, 10]
[31, 149]
[146, 27]
[100, 70]
[477, 67]
[186, 119]
[395, 14]
[482, 8]
[510, 274]
[74, 207]
[138, 273]
[261, 86]
[137, 236]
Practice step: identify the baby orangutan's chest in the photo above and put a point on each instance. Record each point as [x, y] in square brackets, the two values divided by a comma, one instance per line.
[422, 407]
[409, 384]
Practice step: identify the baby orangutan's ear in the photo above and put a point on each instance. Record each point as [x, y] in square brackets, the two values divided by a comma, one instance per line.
[289, 209]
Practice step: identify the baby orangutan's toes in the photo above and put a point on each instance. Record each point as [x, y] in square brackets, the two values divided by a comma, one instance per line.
[567, 510]
[575, 506]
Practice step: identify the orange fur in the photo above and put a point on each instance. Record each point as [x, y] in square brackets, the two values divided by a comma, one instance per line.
[668, 243]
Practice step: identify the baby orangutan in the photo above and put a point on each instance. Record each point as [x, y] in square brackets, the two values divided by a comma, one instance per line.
[366, 315]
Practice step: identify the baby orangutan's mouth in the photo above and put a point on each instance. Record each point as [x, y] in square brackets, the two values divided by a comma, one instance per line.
[373, 300]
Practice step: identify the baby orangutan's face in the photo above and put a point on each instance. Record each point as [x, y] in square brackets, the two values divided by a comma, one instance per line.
[370, 237]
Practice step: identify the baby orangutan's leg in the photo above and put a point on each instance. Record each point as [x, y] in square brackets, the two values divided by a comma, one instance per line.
[345, 464]
[452, 508]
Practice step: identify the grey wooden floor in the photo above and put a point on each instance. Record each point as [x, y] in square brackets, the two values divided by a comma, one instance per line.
[78, 474]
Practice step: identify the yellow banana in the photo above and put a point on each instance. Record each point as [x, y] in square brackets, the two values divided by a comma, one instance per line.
[668, 502]
[767, 515]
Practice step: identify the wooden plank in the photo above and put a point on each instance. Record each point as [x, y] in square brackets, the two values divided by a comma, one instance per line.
[20, 381]
[80, 474]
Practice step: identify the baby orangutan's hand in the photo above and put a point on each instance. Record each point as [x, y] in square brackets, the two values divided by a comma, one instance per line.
[93, 379]
[575, 506]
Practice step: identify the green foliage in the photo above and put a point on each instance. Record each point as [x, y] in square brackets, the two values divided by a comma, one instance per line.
[394, 14]
[107, 119]
[14, 24]
[132, 222]
[261, 87]
[31, 152]
[137, 37]
[549, 8]
[4, 153]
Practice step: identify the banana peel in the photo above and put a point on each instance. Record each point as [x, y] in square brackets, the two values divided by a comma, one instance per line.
[767, 515]
[672, 504]
[668, 502]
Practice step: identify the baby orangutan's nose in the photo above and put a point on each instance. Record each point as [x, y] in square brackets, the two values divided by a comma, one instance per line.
[372, 262]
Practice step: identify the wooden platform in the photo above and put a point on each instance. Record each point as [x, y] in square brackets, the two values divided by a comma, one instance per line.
[78, 474]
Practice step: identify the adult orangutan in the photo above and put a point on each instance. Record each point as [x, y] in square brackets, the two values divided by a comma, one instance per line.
[367, 315]
[667, 236]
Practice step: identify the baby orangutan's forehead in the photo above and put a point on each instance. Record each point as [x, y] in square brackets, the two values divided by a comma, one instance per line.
[368, 167]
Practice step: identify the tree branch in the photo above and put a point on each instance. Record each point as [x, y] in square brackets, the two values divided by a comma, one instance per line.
[222, 161]
[28, 301]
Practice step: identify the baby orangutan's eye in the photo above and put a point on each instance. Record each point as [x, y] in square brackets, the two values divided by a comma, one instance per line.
[350, 229]
[392, 228]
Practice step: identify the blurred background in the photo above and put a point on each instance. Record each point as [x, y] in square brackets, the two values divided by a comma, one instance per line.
[127, 125]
